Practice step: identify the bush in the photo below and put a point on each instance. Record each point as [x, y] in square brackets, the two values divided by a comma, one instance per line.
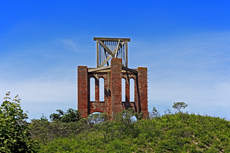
[14, 130]
[45, 131]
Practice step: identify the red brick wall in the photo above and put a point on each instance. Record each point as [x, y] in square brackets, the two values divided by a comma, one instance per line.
[116, 86]
[97, 90]
[112, 88]
[83, 90]
[128, 76]
[142, 90]
[99, 106]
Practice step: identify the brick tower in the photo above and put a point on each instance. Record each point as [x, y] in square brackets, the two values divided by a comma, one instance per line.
[112, 52]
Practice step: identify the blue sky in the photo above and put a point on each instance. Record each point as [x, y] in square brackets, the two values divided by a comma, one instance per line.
[184, 44]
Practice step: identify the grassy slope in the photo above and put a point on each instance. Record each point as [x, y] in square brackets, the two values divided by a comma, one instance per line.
[169, 133]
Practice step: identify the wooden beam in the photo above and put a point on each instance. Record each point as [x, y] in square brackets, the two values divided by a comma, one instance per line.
[106, 48]
[111, 39]
[105, 61]
[108, 58]
[127, 69]
[126, 53]
[97, 54]
[100, 68]
[117, 48]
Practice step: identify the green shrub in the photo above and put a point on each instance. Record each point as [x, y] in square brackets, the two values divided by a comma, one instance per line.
[45, 131]
[14, 130]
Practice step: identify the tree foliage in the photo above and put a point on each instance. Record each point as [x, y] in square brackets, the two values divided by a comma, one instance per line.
[70, 115]
[14, 130]
[45, 131]
[154, 113]
[179, 105]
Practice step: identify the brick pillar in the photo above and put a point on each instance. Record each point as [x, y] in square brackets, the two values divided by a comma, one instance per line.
[137, 108]
[96, 90]
[108, 93]
[83, 90]
[143, 90]
[116, 105]
[127, 89]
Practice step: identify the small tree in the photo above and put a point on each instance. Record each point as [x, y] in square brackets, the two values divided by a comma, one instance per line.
[14, 130]
[179, 105]
[154, 113]
[71, 115]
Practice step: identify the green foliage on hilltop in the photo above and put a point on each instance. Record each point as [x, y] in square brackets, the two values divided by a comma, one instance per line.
[179, 105]
[14, 130]
[173, 133]
[70, 115]
[45, 131]
[179, 132]
[62, 124]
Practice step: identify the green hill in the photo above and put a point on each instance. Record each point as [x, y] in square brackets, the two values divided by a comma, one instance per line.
[179, 132]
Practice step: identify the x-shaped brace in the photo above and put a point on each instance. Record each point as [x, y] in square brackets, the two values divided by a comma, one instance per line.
[112, 54]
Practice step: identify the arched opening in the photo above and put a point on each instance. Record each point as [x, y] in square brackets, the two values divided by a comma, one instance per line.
[123, 90]
[101, 89]
[132, 95]
[92, 89]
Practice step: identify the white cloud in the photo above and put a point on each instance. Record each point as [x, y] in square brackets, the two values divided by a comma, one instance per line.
[194, 70]
[43, 94]
[69, 43]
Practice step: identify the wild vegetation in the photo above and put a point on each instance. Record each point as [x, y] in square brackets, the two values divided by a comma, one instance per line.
[14, 130]
[178, 132]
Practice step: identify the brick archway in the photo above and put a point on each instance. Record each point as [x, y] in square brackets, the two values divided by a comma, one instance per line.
[112, 103]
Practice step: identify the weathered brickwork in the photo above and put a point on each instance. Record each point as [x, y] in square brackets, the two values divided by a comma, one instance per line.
[112, 103]
[142, 90]
[116, 86]
[83, 96]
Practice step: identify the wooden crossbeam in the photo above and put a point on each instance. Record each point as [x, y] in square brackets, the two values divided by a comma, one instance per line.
[111, 39]
[106, 48]
[100, 68]
[108, 67]
[108, 58]
[118, 44]
[127, 69]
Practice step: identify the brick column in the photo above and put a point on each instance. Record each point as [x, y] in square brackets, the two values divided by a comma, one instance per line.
[143, 90]
[137, 108]
[127, 89]
[96, 90]
[108, 93]
[116, 86]
[83, 90]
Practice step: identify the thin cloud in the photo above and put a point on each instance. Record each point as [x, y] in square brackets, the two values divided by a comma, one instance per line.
[194, 70]
[69, 43]
[40, 95]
